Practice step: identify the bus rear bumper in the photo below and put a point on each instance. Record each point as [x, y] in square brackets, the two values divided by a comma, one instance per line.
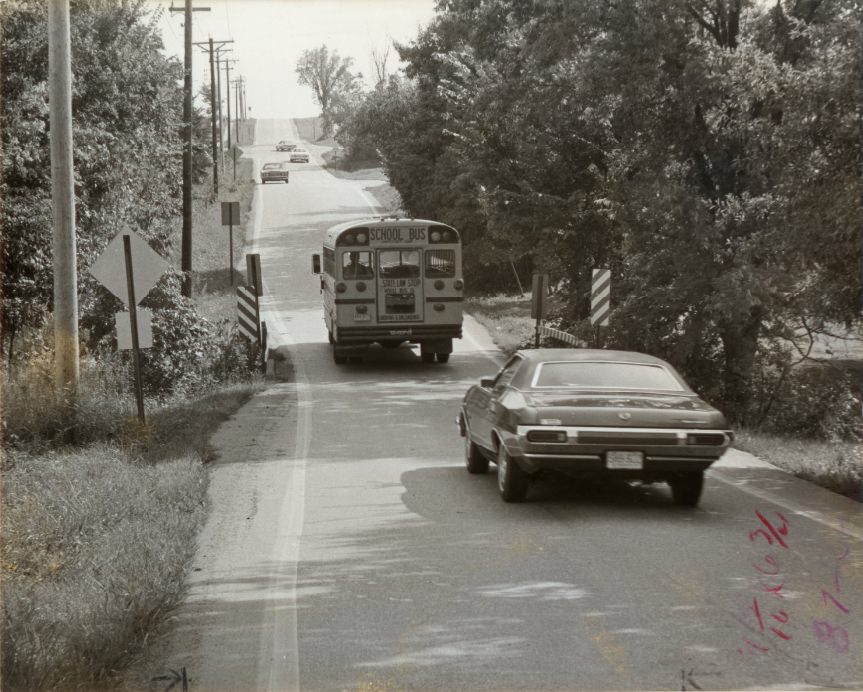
[416, 334]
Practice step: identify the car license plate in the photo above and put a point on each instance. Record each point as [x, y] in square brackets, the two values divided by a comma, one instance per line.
[362, 318]
[624, 460]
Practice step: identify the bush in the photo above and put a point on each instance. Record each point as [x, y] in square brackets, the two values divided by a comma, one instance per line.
[814, 401]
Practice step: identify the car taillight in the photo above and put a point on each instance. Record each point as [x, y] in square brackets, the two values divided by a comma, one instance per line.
[459, 284]
[361, 286]
[439, 307]
[438, 284]
[546, 436]
[341, 287]
[707, 439]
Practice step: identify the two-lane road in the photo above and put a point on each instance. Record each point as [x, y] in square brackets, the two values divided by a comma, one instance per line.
[348, 548]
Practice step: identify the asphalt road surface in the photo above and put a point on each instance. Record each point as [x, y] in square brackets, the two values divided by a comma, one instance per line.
[348, 548]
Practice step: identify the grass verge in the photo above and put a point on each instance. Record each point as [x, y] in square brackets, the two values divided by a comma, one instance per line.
[836, 466]
[98, 536]
[507, 319]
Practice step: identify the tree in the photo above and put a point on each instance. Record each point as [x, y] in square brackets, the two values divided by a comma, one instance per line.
[127, 107]
[328, 75]
[708, 153]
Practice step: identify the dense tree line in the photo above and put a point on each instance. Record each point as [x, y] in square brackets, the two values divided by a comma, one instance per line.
[708, 152]
[127, 111]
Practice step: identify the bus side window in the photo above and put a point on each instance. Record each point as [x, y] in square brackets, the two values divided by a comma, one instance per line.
[440, 264]
[357, 265]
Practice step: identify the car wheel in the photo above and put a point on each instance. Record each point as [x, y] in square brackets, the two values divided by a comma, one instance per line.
[511, 480]
[442, 357]
[427, 357]
[355, 359]
[686, 490]
[473, 458]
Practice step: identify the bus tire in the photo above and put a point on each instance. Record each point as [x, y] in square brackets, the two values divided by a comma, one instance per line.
[427, 357]
[443, 357]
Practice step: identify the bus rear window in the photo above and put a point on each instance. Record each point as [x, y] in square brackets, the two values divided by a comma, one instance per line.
[399, 264]
[357, 265]
[440, 264]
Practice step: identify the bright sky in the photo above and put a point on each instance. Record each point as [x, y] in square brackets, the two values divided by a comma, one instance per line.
[270, 35]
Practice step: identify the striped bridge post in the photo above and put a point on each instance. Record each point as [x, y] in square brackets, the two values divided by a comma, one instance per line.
[600, 297]
[248, 316]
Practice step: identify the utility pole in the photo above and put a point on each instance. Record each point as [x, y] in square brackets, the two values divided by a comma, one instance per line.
[228, 99]
[63, 200]
[213, 111]
[237, 105]
[186, 245]
[219, 89]
[245, 104]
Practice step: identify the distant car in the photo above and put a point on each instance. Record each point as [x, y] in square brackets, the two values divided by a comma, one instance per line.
[299, 155]
[285, 146]
[612, 414]
[274, 171]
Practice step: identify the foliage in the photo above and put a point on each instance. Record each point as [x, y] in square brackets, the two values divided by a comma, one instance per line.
[709, 156]
[126, 105]
[333, 84]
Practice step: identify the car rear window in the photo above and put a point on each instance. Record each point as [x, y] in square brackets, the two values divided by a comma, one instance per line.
[606, 375]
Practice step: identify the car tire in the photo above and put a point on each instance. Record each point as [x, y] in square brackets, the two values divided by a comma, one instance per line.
[686, 490]
[511, 480]
[443, 357]
[427, 357]
[474, 461]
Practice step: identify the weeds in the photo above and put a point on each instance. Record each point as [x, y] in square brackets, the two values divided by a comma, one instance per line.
[95, 548]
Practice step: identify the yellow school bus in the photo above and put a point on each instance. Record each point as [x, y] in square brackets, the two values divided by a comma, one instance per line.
[389, 281]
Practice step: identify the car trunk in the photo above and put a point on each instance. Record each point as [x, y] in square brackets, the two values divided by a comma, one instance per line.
[624, 410]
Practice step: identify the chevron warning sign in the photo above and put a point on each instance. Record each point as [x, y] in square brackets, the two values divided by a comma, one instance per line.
[247, 313]
[600, 297]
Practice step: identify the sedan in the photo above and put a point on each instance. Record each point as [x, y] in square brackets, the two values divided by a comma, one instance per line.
[299, 156]
[274, 171]
[285, 146]
[594, 413]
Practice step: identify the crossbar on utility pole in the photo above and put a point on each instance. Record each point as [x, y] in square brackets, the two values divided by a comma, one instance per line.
[186, 244]
[66, 368]
[213, 109]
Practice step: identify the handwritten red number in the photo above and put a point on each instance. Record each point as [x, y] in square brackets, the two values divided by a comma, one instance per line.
[836, 636]
[778, 534]
[825, 595]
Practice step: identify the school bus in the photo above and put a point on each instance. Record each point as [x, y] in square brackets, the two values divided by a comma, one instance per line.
[389, 281]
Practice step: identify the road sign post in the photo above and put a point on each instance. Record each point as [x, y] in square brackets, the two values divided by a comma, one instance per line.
[537, 302]
[133, 321]
[130, 268]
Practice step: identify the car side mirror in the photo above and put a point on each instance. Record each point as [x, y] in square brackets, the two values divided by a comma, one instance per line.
[316, 264]
[486, 382]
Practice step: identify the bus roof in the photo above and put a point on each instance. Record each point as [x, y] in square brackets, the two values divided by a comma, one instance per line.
[375, 222]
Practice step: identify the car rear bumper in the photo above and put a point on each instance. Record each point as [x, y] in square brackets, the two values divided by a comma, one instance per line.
[664, 452]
